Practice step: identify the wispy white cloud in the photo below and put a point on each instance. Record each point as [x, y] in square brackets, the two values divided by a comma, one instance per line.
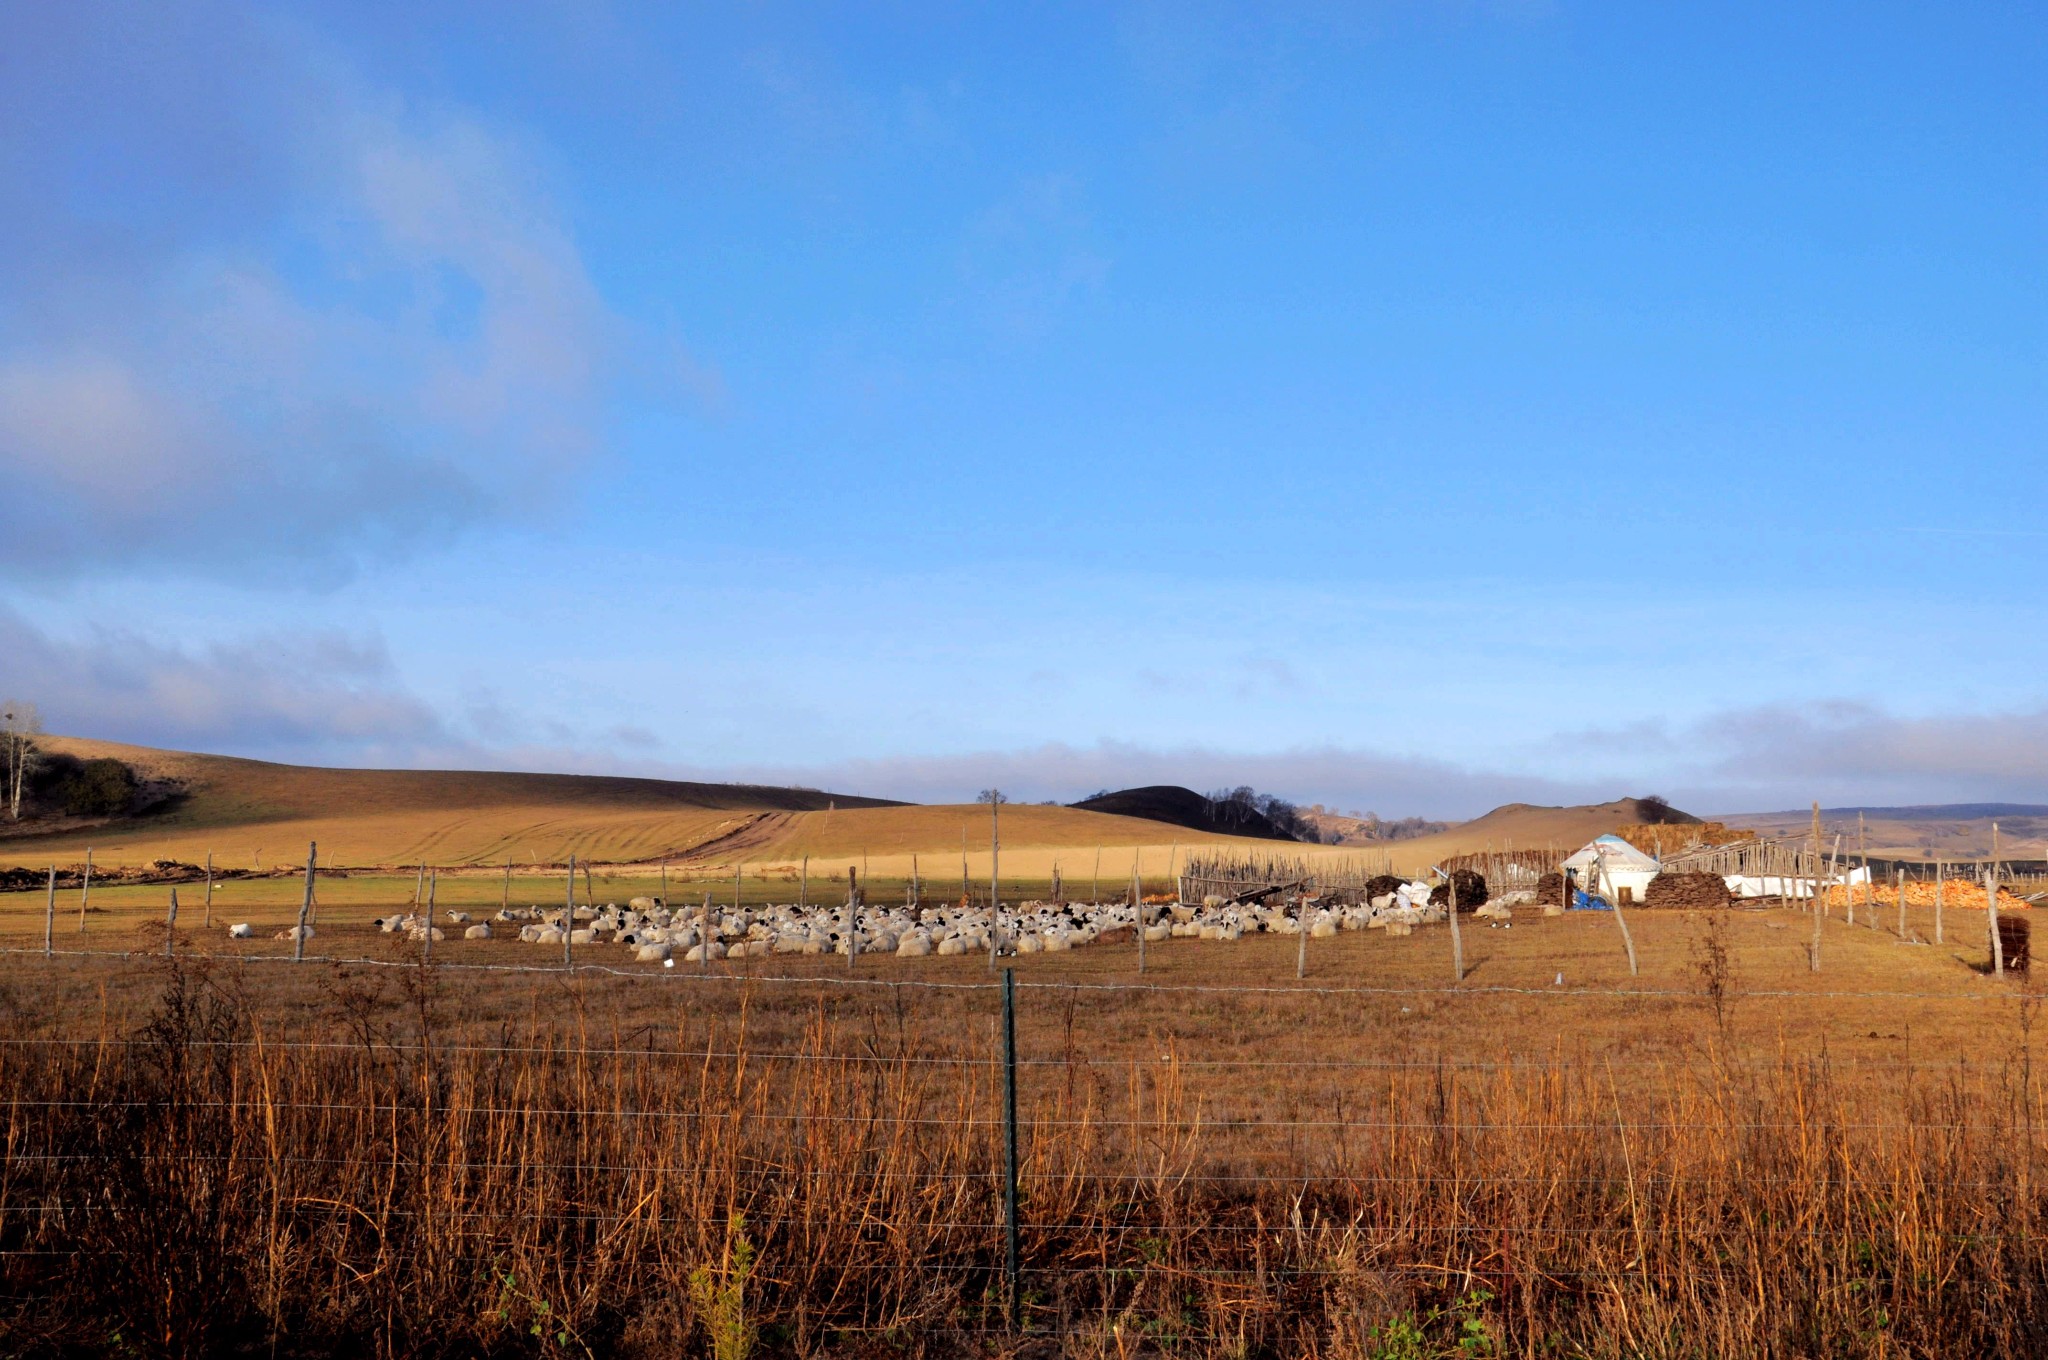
[393, 336]
[319, 696]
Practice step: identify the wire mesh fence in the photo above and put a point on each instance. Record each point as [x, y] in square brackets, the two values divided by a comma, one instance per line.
[393, 1156]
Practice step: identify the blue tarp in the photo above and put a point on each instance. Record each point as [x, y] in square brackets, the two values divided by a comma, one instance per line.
[1585, 901]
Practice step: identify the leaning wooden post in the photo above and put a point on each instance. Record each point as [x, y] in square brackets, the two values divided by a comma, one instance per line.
[84, 890]
[1301, 944]
[1095, 888]
[569, 914]
[305, 903]
[1991, 921]
[171, 925]
[1457, 935]
[505, 890]
[1902, 903]
[1940, 886]
[704, 952]
[1628, 941]
[50, 915]
[208, 923]
[803, 892]
[916, 885]
[433, 895]
[419, 885]
[1138, 910]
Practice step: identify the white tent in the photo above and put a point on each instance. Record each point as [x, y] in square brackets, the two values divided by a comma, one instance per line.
[1610, 865]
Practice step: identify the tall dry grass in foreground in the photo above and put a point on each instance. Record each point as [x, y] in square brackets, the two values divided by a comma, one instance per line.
[196, 1186]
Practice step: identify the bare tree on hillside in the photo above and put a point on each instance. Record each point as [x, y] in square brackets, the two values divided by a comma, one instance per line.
[19, 724]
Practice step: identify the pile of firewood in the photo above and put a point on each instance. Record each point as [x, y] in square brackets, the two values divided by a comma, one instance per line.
[1956, 892]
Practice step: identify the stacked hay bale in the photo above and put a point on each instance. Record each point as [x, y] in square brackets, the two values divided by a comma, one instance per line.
[1687, 892]
[1471, 890]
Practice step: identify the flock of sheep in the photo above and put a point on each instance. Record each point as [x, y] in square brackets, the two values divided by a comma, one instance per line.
[659, 933]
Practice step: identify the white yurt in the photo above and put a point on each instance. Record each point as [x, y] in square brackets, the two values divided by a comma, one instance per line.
[1611, 867]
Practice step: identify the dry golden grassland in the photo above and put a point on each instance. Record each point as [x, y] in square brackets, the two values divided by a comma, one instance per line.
[489, 1156]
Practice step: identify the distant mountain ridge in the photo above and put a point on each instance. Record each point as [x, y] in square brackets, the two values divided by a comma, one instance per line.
[1915, 812]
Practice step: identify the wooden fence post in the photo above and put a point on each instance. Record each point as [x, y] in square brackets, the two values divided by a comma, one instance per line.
[171, 925]
[1940, 888]
[1457, 936]
[305, 903]
[433, 895]
[1991, 920]
[995, 896]
[50, 915]
[569, 914]
[1301, 944]
[84, 890]
[208, 922]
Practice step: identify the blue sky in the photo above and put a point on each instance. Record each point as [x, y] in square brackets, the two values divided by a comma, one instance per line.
[1408, 406]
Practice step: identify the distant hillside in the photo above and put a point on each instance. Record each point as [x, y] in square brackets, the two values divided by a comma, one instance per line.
[1334, 828]
[1947, 831]
[1176, 806]
[270, 811]
[252, 814]
[1527, 826]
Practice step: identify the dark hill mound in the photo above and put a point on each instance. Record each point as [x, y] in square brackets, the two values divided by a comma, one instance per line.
[1176, 806]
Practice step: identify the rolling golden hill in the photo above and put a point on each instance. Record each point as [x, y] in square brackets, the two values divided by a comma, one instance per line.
[258, 814]
[252, 813]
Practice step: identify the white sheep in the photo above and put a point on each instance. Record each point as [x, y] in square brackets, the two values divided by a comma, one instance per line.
[241, 930]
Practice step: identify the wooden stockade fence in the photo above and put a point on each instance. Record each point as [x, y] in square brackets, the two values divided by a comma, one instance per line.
[1209, 874]
[1758, 858]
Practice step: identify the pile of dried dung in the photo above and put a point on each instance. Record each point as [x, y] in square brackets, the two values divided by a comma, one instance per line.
[1379, 885]
[2013, 943]
[1550, 888]
[1471, 890]
[1686, 892]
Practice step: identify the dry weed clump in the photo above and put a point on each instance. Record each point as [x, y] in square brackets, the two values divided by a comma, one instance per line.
[200, 1186]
